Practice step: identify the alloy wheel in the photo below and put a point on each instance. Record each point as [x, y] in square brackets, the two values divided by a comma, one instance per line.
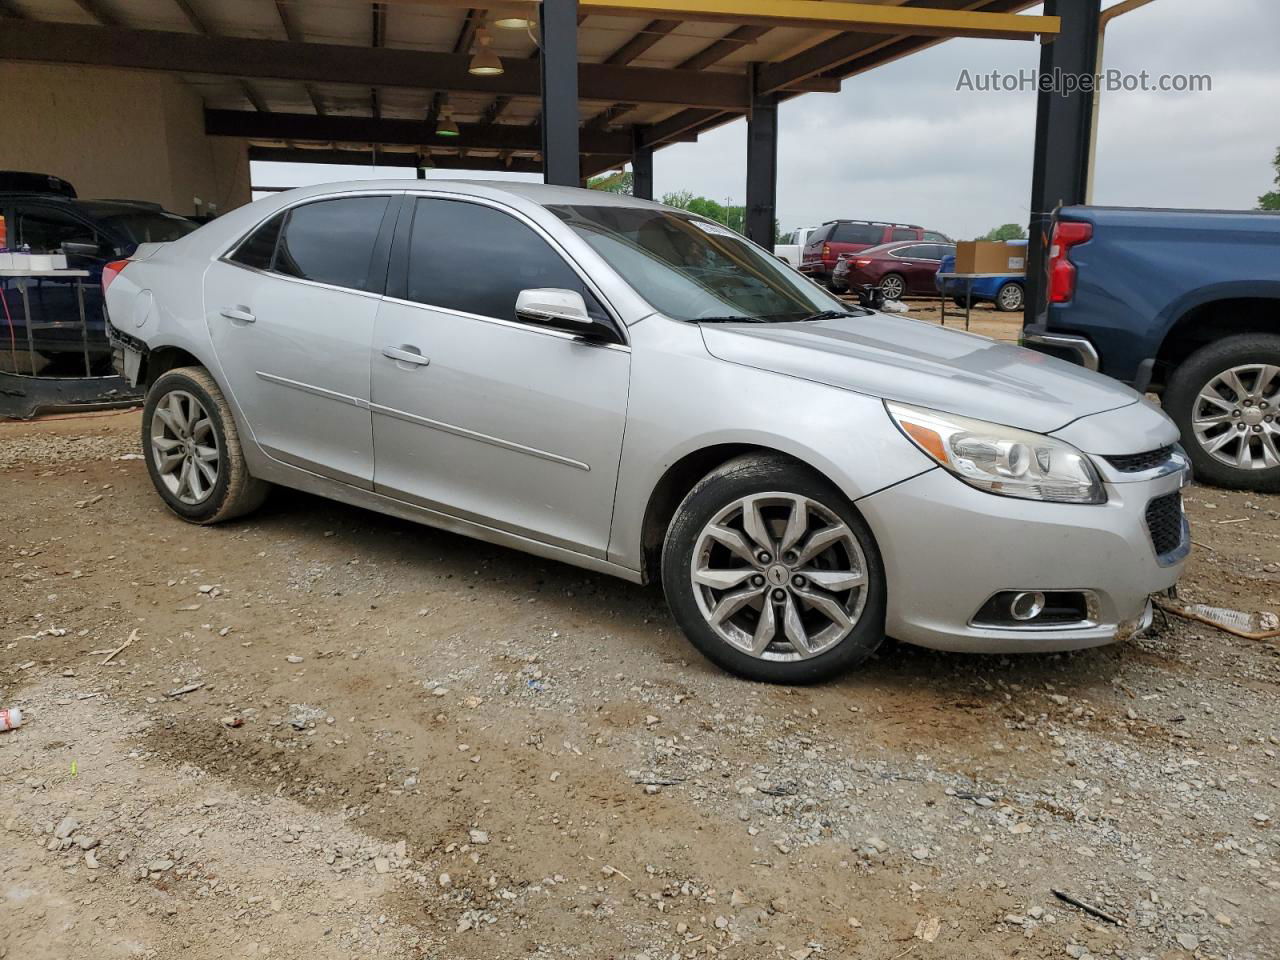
[1011, 297]
[1235, 417]
[185, 447]
[893, 287]
[779, 576]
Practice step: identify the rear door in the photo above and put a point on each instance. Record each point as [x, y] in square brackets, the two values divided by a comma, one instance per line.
[478, 414]
[921, 263]
[291, 313]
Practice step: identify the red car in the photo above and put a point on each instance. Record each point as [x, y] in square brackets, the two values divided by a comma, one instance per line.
[898, 269]
[822, 250]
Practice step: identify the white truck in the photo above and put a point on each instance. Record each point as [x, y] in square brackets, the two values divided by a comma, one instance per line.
[792, 245]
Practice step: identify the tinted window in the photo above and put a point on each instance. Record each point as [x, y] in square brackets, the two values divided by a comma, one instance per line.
[473, 258]
[45, 229]
[937, 237]
[903, 233]
[917, 251]
[857, 233]
[331, 241]
[941, 250]
[820, 234]
[257, 249]
[150, 227]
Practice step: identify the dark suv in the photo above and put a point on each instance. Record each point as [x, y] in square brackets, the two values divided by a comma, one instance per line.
[89, 233]
[822, 251]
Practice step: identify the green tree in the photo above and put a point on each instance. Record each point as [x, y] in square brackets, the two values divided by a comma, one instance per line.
[732, 215]
[1271, 200]
[1007, 231]
[621, 182]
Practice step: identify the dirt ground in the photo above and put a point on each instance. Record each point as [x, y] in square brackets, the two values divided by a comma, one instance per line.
[339, 735]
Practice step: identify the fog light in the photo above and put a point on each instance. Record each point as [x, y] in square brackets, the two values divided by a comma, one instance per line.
[1027, 605]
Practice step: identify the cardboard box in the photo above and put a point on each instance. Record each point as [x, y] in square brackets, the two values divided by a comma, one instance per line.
[986, 256]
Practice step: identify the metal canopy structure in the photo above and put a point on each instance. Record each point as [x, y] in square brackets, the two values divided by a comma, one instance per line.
[320, 79]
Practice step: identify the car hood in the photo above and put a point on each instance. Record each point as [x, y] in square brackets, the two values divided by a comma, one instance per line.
[911, 361]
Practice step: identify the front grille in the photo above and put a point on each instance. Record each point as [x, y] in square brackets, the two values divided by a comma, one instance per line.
[1164, 521]
[1138, 462]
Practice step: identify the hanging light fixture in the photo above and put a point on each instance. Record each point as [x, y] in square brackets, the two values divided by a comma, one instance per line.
[446, 126]
[512, 21]
[484, 62]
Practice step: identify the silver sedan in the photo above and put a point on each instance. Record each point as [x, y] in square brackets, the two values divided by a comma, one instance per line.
[638, 391]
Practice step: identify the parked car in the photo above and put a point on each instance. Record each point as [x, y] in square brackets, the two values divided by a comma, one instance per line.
[1008, 293]
[898, 269]
[792, 245]
[645, 393]
[1186, 304]
[90, 233]
[823, 247]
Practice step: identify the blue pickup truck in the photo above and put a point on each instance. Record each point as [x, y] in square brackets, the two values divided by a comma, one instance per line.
[1183, 303]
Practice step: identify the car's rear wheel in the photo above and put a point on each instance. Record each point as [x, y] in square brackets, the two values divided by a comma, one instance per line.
[193, 451]
[1225, 398]
[772, 574]
[1010, 297]
[894, 286]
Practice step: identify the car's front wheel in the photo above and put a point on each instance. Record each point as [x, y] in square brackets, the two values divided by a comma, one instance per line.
[1225, 398]
[192, 449]
[772, 574]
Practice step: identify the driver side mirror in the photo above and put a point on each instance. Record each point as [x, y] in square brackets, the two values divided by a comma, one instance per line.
[72, 248]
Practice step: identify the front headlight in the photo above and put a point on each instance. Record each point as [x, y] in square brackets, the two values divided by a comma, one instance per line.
[1001, 460]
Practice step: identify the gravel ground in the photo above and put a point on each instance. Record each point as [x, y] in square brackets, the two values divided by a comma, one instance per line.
[335, 734]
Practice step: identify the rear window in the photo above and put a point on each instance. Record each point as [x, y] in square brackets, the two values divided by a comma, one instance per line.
[819, 235]
[936, 237]
[903, 233]
[857, 233]
[147, 227]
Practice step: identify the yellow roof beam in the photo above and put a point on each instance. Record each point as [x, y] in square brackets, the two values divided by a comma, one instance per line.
[812, 14]
[828, 15]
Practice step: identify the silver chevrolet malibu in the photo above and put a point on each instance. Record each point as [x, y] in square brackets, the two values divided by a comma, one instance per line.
[638, 391]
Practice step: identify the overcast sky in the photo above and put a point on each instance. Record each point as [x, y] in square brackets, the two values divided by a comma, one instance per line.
[901, 143]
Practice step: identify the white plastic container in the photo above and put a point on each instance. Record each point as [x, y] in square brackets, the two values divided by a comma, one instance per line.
[40, 262]
[59, 261]
[10, 719]
[6, 261]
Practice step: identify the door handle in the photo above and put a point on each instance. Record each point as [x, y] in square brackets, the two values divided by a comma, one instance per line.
[406, 354]
[239, 314]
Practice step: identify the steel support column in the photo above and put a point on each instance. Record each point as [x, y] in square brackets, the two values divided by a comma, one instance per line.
[1060, 171]
[559, 55]
[762, 165]
[641, 167]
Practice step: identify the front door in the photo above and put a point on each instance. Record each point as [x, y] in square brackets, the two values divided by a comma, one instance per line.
[291, 313]
[482, 416]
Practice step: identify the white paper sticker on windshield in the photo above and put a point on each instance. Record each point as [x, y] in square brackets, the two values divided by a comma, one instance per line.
[715, 229]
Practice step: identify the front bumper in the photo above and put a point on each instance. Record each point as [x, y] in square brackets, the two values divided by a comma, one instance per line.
[948, 548]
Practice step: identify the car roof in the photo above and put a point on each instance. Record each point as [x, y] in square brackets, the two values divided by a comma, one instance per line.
[543, 194]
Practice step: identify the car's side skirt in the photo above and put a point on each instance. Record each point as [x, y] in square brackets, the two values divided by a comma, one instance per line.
[297, 478]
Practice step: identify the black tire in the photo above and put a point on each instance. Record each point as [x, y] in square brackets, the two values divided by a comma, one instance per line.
[234, 492]
[1195, 374]
[1010, 298]
[742, 477]
[893, 278]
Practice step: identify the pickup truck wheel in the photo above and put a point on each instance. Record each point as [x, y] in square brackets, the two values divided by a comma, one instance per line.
[193, 451]
[1009, 298]
[772, 574]
[1225, 399]
[893, 285]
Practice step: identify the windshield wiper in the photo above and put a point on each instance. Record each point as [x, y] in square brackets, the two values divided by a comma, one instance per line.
[831, 315]
[729, 320]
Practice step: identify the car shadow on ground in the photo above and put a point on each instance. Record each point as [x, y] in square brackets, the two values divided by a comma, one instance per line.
[638, 615]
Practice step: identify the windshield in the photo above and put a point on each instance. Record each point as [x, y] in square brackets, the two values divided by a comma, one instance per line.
[692, 269]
